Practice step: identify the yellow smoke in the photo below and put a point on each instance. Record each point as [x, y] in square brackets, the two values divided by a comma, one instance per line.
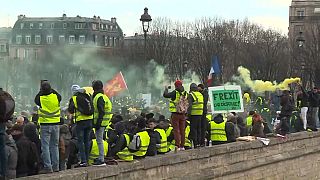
[261, 86]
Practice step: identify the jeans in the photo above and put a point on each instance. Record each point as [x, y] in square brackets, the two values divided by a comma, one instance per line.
[178, 122]
[83, 130]
[99, 137]
[303, 115]
[284, 125]
[49, 136]
[3, 157]
[195, 129]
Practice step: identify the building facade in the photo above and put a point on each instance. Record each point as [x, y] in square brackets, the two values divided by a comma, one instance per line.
[32, 36]
[5, 40]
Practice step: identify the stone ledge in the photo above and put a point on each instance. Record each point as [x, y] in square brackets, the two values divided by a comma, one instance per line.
[229, 158]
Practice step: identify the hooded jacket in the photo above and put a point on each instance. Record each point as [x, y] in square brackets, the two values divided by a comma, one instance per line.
[12, 157]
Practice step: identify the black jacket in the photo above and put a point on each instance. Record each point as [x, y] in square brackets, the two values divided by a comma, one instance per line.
[100, 107]
[12, 157]
[314, 99]
[205, 101]
[287, 105]
[28, 159]
[154, 140]
[41, 93]
[303, 98]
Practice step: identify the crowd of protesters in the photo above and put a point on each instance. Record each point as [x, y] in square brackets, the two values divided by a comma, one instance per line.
[86, 133]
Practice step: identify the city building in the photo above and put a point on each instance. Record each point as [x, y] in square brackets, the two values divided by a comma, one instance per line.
[31, 36]
[5, 36]
[303, 15]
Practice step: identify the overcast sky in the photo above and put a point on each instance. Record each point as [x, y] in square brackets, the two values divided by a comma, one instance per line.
[269, 13]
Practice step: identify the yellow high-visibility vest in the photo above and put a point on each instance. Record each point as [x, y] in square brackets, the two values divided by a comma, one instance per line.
[94, 153]
[125, 154]
[197, 104]
[49, 112]
[164, 145]
[144, 144]
[218, 132]
[107, 110]
[78, 115]
[173, 104]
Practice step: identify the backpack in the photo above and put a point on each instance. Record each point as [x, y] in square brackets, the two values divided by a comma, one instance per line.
[7, 106]
[135, 143]
[183, 104]
[85, 104]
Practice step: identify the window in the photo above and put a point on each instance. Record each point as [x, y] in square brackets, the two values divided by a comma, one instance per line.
[82, 39]
[21, 25]
[62, 39]
[28, 39]
[300, 13]
[110, 41]
[94, 26]
[52, 25]
[17, 53]
[113, 41]
[26, 54]
[72, 39]
[101, 26]
[111, 27]
[31, 25]
[36, 54]
[49, 39]
[106, 41]
[40, 25]
[3, 48]
[37, 39]
[64, 25]
[79, 26]
[18, 39]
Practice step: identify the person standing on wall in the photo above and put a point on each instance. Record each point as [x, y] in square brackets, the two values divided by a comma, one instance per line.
[178, 107]
[195, 113]
[101, 118]
[48, 101]
[204, 122]
[81, 106]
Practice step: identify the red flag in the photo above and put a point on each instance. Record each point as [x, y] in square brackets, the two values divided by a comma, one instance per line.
[115, 85]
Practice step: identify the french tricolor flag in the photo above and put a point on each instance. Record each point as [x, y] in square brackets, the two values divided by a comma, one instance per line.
[215, 69]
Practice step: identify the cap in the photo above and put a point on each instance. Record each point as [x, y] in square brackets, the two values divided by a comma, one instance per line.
[178, 83]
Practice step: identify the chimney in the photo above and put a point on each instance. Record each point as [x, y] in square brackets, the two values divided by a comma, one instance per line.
[135, 34]
[21, 16]
[113, 20]
[94, 17]
[78, 16]
[64, 15]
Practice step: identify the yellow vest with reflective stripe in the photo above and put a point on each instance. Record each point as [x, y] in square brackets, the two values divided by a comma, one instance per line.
[145, 141]
[187, 140]
[197, 104]
[164, 145]
[94, 153]
[249, 121]
[78, 115]
[125, 154]
[218, 132]
[173, 104]
[170, 145]
[209, 117]
[107, 110]
[49, 112]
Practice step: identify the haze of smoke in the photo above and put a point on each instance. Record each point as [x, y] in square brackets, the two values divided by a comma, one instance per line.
[260, 85]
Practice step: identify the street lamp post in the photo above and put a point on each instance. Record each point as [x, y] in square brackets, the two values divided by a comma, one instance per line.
[145, 19]
[301, 41]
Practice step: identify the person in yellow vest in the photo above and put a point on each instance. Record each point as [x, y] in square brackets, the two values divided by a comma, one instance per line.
[221, 131]
[144, 139]
[94, 152]
[79, 106]
[155, 138]
[187, 144]
[160, 128]
[249, 121]
[101, 118]
[195, 112]
[178, 118]
[48, 101]
[170, 138]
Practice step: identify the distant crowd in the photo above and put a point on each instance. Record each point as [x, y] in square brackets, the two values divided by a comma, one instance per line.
[89, 132]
